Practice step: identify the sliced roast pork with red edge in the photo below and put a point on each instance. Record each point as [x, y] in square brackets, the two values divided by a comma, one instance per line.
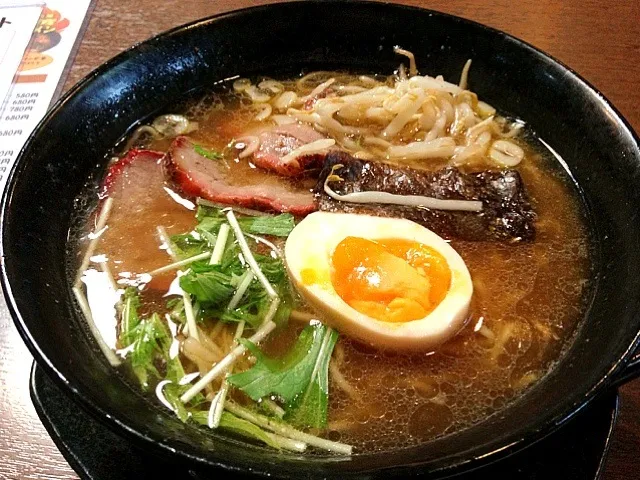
[277, 142]
[235, 183]
[143, 160]
[142, 201]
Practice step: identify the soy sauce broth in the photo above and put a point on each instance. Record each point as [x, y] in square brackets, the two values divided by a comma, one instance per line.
[528, 300]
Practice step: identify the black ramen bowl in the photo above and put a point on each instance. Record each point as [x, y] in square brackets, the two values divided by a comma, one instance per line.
[71, 146]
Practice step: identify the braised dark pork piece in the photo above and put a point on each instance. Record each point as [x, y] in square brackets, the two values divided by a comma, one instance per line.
[506, 214]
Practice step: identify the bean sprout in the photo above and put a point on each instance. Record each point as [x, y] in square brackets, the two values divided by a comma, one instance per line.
[391, 199]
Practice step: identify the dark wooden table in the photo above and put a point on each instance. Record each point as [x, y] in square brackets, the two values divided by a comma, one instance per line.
[598, 39]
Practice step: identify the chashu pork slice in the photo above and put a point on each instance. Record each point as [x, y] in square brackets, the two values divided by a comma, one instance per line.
[142, 201]
[235, 183]
[277, 142]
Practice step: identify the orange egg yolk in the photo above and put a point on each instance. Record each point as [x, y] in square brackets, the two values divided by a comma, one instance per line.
[390, 280]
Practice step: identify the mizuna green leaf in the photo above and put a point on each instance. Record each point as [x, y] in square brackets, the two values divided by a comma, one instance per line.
[151, 340]
[129, 317]
[210, 219]
[207, 152]
[185, 245]
[299, 378]
[310, 408]
[207, 284]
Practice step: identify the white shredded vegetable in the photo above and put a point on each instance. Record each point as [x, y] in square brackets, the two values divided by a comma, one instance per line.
[412, 59]
[404, 116]
[101, 225]
[245, 281]
[420, 117]
[166, 242]
[160, 394]
[248, 256]
[438, 148]
[86, 310]
[221, 242]
[241, 84]
[273, 407]
[178, 264]
[257, 95]
[464, 76]
[221, 367]
[217, 405]
[191, 317]
[104, 266]
[271, 85]
[485, 110]
[265, 112]
[407, 200]
[285, 100]
[242, 210]
[319, 89]
[249, 145]
[506, 153]
[172, 125]
[283, 119]
[276, 251]
[286, 431]
[318, 146]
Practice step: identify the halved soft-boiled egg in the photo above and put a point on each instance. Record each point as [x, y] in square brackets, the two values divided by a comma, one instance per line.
[388, 282]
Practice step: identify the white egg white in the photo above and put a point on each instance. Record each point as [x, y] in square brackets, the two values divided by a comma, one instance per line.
[309, 248]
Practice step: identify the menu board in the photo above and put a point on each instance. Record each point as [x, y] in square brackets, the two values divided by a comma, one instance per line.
[36, 41]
